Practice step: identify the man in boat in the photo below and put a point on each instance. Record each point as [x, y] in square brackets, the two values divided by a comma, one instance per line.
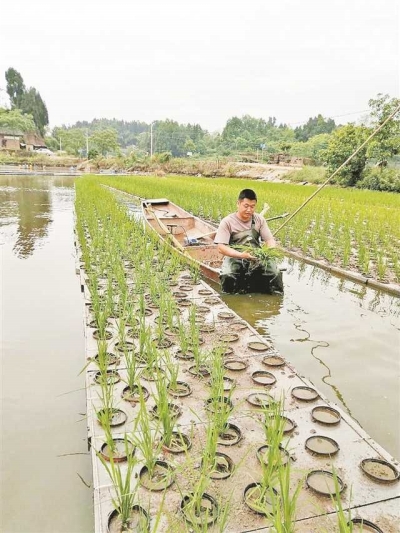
[246, 227]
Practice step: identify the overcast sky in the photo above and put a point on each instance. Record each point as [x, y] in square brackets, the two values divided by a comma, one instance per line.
[205, 61]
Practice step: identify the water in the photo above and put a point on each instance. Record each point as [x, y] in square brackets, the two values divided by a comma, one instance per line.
[44, 448]
[342, 336]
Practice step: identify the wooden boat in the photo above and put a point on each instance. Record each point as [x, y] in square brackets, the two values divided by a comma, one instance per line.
[192, 237]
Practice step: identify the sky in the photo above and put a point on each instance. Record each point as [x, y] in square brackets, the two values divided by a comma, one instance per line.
[205, 61]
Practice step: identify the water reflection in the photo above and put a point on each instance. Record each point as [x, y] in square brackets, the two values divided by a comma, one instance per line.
[43, 353]
[257, 306]
[29, 209]
[377, 301]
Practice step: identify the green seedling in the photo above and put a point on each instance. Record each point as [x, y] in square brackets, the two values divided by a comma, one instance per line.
[122, 480]
[145, 438]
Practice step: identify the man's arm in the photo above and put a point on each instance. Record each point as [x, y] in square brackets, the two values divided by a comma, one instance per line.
[270, 243]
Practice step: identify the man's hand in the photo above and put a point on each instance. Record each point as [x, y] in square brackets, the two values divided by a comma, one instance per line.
[225, 249]
[247, 255]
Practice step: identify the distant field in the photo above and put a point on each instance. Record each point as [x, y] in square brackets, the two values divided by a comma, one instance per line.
[353, 229]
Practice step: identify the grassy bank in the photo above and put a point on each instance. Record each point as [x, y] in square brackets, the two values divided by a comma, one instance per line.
[33, 158]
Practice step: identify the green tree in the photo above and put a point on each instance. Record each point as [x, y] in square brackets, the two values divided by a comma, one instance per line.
[105, 140]
[314, 126]
[314, 148]
[32, 103]
[386, 142]
[73, 141]
[15, 87]
[343, 142]
[189, 146]
[14, 119]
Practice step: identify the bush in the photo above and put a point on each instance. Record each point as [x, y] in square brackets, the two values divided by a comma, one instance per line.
[162, 157]
[310, 174]
[93, 153]
[376, 179]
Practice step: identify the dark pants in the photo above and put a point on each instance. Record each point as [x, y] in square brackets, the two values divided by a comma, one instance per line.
[237, 277]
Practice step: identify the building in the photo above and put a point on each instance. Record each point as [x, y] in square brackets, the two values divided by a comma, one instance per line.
[32, 141]
[13, 140]
[10, 139]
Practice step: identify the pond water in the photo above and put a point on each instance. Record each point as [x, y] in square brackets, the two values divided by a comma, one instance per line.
[342, 336]
[45, 460]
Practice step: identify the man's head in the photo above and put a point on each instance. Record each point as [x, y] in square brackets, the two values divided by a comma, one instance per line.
[246, 204]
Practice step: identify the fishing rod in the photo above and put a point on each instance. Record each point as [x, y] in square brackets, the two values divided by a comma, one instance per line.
[339, 169]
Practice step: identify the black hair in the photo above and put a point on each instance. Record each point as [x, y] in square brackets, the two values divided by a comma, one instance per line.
[247, 193]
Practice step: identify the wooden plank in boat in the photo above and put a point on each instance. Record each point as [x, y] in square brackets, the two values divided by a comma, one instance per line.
[156, 201]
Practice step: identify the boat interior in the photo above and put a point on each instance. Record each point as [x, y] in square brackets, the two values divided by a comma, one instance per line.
[191, 233]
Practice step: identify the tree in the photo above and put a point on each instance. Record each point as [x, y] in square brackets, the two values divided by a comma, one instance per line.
[189, 146]
[32, 103]
[15, 87]
[313, 148]
[314, 126]
[386, 142]
[14, 119]
[73, 141]
[343, 142]
[29, 101]
[105, 140]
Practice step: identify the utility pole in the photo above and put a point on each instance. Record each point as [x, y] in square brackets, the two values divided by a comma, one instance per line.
[151, 139]
[87, 144]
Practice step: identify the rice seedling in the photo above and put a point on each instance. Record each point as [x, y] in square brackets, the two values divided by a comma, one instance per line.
[220, 404]
[183, 335]
[200, 358]
[145, 438]
[343, 517]
[172, 371]
[133, 369]
[263, 495]
[284, 502]
[164, 414]
[124, 487]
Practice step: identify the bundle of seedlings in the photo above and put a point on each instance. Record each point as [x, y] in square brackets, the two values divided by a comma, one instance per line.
[264, 255]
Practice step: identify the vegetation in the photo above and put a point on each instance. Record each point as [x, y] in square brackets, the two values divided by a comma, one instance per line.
[28, 101]
[15, 120]
[353, 229]
[314, 127]
[263, 255]
[344, 141]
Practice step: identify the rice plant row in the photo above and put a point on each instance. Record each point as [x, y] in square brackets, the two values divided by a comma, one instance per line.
[352, 229]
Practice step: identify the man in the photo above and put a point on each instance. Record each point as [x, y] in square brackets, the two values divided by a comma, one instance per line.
[245, 227]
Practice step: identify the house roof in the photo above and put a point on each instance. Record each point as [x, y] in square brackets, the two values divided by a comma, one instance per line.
[34, 139]
[5, 130]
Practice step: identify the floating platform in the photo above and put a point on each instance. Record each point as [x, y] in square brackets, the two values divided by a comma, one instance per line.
[319, 437]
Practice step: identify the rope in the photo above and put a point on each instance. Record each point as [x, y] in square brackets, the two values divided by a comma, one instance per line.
[339, 169]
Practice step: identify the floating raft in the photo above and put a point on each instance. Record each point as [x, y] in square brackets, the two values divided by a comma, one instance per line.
[319, 435]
